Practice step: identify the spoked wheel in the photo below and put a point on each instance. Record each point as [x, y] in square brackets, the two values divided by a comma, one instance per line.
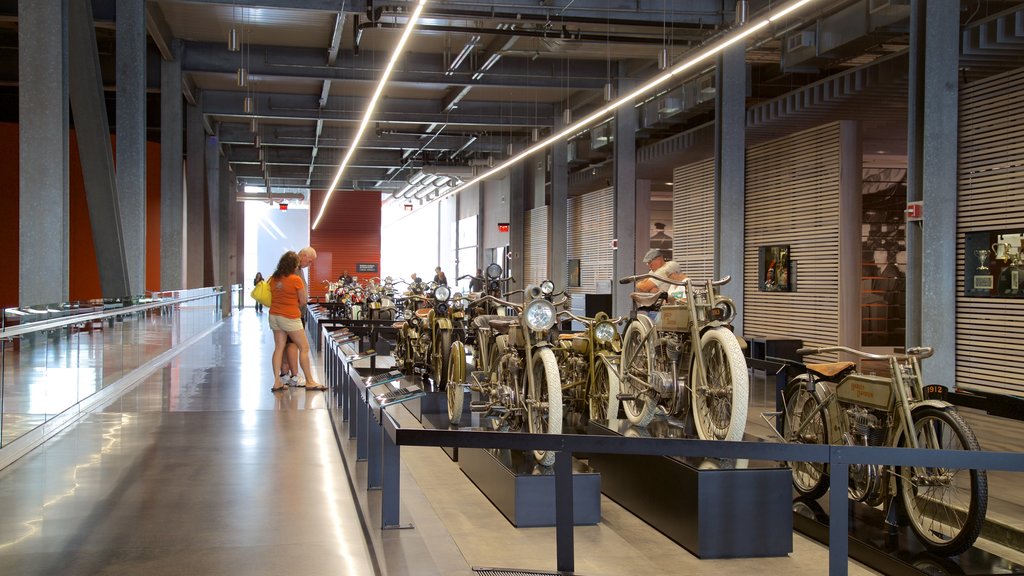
[544, 403]
[404, 349]
[720, 402]
[456, 379]
[806, 423]
[440, 355]
[946, 506]
[603, 398]
[635, 371]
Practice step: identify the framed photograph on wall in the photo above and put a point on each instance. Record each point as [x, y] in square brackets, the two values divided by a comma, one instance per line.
[773, 269]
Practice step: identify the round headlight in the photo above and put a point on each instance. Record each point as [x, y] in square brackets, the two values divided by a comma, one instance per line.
[547, 287]
[605, 332]
[494, 271]
[442, 293]
[540, 315]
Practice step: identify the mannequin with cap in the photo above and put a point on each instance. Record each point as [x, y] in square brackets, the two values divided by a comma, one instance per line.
[657, 264]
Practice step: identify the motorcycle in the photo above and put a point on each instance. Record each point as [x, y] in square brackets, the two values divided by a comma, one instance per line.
[588, 365]
[694, 336]
[425, 338]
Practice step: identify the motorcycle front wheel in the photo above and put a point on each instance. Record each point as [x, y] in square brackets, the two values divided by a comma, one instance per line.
[544, 403]
[806, 423]
[440, 358]
[635, 372]
[456, 379]
[945, 506]
[603, 398]
[720, 402]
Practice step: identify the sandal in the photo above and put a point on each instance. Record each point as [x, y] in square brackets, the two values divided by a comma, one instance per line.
[278, 388]
[317, 387]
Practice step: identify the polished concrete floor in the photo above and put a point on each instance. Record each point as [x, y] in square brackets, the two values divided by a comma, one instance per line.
[200, 469]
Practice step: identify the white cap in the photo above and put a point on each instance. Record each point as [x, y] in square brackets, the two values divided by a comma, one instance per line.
[651, 255]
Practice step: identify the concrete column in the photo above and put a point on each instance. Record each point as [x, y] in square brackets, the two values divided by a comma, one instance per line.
[730, 165]
[43, 151]
[92, 131]
[214, 274]
[226, 248]
[938, 162]
[195, 196]
[625, 198]
[851, 200]
[642, 220]
[558, 213]
[131, 137]
[172, 197]
[517, 188]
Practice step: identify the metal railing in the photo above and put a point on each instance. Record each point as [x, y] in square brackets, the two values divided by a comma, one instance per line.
[57, 359]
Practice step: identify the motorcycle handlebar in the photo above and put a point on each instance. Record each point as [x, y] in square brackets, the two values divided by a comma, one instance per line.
[921, 352]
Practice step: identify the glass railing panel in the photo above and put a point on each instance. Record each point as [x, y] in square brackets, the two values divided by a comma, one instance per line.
[90, 348]
[59, 389]
[24, 401]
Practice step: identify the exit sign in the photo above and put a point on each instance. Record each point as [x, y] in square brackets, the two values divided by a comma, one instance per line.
[502, 226]
[283, 207]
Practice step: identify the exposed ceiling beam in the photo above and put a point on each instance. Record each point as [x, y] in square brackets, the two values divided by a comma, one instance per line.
[239, 134]
[159, 31]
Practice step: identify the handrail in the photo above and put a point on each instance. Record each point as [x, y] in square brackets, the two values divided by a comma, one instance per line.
[50, 324]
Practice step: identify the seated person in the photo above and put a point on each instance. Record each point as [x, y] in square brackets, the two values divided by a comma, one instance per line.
[666, 269]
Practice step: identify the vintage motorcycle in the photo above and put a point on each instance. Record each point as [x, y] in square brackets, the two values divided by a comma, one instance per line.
[425, 337]
[588, 363]
[380, 299]
[834, 404]
[521, 389]
[687, 358]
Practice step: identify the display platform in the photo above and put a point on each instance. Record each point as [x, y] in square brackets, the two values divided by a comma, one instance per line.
[892, 550]
[524, 491]
[712, 507]
[432, 412]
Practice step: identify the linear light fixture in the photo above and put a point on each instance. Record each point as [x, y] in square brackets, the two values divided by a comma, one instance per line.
[372, 106]
[739, 34]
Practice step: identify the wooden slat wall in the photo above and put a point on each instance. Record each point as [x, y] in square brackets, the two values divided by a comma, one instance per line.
[693, 217]
[990, 182]
[590, 236]
[535, 260]
[792, 198]
[349, 234]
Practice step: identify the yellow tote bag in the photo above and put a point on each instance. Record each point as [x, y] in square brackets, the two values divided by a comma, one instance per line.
[261, 293]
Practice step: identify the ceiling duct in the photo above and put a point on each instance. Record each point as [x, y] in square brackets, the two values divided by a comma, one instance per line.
[844, 34]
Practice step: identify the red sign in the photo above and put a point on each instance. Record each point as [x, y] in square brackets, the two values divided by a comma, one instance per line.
[502, 226]
[408, 207]
[283, 207]
[915, 211]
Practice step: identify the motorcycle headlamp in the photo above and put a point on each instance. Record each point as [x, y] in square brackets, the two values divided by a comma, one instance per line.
[442, 293]
[605, 332]
[547, 287]
[493, 271]
[540, 315]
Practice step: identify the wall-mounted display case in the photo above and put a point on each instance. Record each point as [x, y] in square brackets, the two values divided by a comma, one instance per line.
[994, 264]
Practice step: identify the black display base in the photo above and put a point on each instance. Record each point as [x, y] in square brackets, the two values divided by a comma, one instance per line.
[893, 550]
[714, 508]
[524, 491]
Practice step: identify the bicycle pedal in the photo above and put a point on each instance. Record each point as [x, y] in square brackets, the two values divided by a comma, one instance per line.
[479, 406]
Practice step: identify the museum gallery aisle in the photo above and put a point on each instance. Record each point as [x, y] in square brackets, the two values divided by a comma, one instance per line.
[201, 470]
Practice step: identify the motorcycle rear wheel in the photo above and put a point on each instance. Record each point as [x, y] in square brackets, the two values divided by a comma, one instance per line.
[806, 423]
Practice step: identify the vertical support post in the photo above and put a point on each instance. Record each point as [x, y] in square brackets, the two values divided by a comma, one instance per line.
[838, 520]
[43, 237]
[172, 190]
[850, 248]
[517, 223]
[212, 275]
[131, 137]
[915, 147]
[564, 522]
[389, 501]
[374, 450]
[625, 196]
[195, 210]
[730, 180]
[362, 412]
[558, 213]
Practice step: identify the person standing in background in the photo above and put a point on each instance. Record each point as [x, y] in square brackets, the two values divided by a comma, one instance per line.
[255, 282]
[285, 311]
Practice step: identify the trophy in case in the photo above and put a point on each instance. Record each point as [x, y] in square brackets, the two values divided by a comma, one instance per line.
[982, 281]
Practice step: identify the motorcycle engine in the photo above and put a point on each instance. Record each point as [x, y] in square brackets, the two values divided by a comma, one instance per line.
[867, 428]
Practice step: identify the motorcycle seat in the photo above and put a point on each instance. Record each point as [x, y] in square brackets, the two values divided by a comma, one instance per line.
[423, 312]
[831, 369]
[647, 300]
[501, 325]
[483, 320]
[570, 335]
[398, 325]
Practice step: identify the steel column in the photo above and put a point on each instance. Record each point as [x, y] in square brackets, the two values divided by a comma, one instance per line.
[730, 167]
[226, 249]
[558, 212]
[212, 271]
[92, 130]
[518, 174]
[391, 484]
[172, 198]
[625, 197]
[374, 450]
[131, 137]
[43, 241]
[564, 523]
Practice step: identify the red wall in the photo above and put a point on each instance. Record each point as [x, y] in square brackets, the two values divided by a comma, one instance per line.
[84, 281]
[349, 234]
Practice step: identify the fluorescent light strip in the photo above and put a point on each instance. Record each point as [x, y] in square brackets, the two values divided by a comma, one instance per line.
[593, 117]
[371, 107]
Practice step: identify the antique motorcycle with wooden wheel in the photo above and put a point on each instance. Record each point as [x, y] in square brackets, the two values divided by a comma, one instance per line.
[834, 404]
[521, 389]
[688, 358]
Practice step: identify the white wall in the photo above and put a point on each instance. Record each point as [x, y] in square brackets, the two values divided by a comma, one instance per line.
[269, 233]
[409, 241]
